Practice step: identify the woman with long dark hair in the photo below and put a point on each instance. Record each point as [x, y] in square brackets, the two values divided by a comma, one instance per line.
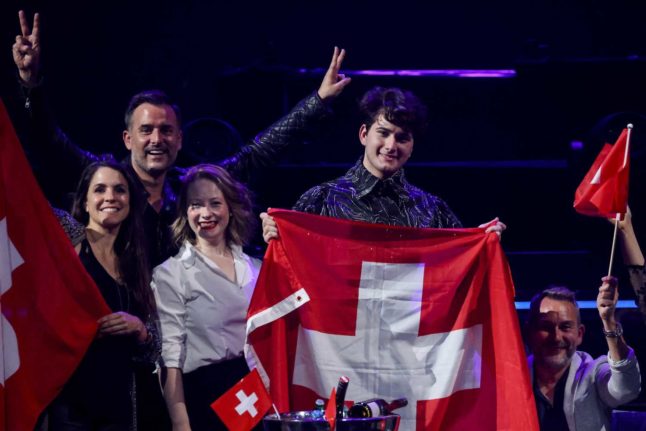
[101, 395]
[203, 294]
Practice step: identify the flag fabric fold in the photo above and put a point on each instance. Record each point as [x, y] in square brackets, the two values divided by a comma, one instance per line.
[604, 189]
[49, 305]
[425, 314]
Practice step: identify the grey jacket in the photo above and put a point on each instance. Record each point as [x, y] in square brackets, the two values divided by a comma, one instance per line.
[594, 387]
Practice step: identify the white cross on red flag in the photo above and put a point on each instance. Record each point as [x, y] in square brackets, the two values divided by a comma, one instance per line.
[425, 314]
[48, 302]
[245, 404]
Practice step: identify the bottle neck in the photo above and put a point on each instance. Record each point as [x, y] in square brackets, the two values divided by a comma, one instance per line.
[396, 404]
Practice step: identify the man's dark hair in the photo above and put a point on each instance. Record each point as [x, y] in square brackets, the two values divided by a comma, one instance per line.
[154, 97]
[558, 293]
[400, 107]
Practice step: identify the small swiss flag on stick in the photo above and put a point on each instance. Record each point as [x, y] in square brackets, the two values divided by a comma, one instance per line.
[245, 404]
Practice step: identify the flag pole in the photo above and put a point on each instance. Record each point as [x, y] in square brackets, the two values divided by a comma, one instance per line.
[629, 126]
[614, 242]
[276, 410]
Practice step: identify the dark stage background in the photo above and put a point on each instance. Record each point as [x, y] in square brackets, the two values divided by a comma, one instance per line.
[495, 147]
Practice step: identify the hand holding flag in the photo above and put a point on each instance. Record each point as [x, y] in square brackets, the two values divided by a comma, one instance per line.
[604, 189]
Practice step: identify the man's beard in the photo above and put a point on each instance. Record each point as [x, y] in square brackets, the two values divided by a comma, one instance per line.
[152, 171]
[558, 361]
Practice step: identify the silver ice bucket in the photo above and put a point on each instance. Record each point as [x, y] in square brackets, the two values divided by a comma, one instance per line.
[305, 421]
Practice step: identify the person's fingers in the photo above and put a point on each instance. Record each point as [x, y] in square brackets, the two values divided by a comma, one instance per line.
[339, 59]
[36, 29]
[269, 234]
[611, 280]
[24, 25]
[608, 290]
[334, 60]
[332, 72]
[268, 221]
[22, 44]
[342, 83]
[24, 49]
[606, 293]
[108, 324]
[269, 230]
[119, 323]
[489, 223]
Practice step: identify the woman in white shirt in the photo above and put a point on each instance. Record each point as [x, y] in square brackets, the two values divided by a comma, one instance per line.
[203, 294]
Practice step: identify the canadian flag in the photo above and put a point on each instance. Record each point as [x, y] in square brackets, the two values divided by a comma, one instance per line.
[425, 314]
[604, 189]
[245, 404]
[49, 304]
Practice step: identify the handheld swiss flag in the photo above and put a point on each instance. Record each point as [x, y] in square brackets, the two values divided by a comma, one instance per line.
[426, 314]
[49, 304]
[604, 189]
[245, 404]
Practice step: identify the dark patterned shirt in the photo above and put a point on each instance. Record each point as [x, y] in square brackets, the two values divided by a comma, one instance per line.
[360, 196]
[637, 275]
[74, 230]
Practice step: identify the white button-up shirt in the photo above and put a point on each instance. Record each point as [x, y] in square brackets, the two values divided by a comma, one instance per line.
[202, 313]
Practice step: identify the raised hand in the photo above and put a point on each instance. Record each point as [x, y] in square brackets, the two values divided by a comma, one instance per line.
[333, 82]
[627, 223]
[607, 299]
[269, 227]
[26, 50]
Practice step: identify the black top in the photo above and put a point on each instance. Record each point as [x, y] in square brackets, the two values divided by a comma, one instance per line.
[360, 196]
[102, 383]
[551, 417]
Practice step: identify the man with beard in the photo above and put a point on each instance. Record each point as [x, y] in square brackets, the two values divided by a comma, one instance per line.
[573, 391]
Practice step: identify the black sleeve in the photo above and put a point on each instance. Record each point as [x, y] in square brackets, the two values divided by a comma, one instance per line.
[56, 160]
[267, 145]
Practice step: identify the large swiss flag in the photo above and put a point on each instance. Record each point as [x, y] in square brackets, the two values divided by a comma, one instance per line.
[49, 304]
[426, 314]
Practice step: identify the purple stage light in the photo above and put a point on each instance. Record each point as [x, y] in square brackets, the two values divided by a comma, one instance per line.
[445, 73]
[576, 145]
